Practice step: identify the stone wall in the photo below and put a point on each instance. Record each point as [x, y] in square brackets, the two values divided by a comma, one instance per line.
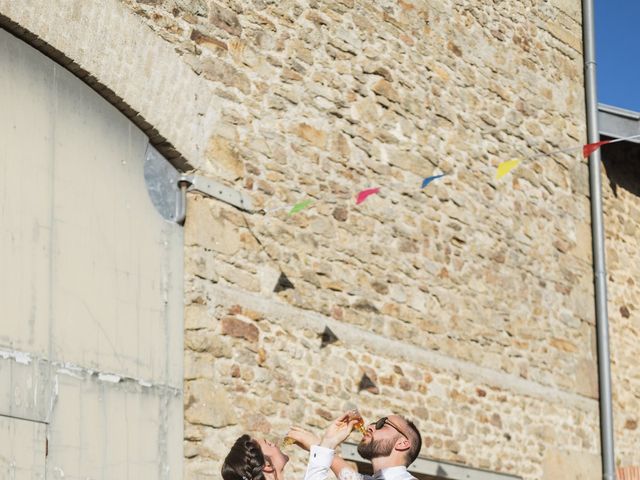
[321, 100]
[621, 188]
[469, 304]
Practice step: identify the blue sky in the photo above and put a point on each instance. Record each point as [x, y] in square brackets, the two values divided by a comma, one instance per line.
[617, 57]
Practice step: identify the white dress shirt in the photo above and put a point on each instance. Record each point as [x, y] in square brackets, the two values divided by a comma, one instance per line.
[391, 473]
[320, 459]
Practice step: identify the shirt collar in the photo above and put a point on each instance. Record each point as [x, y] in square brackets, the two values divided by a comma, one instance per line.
[395, 473]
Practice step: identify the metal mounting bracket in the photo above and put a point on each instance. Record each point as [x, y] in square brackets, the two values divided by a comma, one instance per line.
[218, 191]
[168, 188]
[162, 179]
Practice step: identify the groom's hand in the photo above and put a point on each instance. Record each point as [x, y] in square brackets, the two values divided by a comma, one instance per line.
[339, 430]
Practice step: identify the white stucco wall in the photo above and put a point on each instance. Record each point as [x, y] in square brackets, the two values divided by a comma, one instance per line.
[90, 281]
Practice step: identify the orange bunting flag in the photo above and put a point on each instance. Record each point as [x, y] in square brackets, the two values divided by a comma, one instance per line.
[362, 196]
[506, 167]
[589, 148]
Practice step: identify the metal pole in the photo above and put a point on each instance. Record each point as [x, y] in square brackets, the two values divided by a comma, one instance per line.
[597, 232]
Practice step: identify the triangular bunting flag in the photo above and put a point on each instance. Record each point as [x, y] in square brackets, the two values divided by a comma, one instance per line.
[300, 206]
[430, 179]
[362, 196]
[589, 148]
[506, 167]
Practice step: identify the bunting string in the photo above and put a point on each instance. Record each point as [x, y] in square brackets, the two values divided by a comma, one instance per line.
[502, 170]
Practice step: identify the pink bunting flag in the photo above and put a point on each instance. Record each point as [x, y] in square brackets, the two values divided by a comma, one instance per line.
[589, 148]
[362, 196]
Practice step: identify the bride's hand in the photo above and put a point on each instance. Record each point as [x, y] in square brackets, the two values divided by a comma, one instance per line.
[303, 438]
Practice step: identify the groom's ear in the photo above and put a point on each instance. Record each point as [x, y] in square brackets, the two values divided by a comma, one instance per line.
[403, 444]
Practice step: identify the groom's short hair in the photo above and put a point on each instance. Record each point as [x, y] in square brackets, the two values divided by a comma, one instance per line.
[416, 442]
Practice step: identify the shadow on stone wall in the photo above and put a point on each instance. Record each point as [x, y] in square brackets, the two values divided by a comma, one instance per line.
[622, 166]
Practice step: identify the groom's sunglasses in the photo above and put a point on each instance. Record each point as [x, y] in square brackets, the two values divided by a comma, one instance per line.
[385, 421]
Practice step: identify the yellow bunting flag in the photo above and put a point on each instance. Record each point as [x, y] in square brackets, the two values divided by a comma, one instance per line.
[506, 167]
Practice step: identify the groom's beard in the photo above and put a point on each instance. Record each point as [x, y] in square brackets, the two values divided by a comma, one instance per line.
[376, 448]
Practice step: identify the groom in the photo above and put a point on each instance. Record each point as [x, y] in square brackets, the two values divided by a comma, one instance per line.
[391, 444]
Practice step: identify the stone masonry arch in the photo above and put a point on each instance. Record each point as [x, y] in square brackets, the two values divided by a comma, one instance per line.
[103, 43]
